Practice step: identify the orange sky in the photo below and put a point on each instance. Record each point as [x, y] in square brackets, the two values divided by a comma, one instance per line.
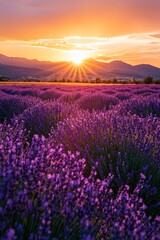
[108, 29]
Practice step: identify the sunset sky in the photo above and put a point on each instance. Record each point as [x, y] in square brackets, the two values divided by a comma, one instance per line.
[55, 30]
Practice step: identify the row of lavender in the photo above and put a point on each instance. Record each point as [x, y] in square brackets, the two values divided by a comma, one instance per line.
[80, 162]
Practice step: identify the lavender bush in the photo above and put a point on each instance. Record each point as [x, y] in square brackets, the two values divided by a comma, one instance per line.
[124, 95]
[97, 102]
[9, 90]
[70, 97]
[40, 118]
[109, 92]
[14, 105]
[29, 92]
[124, 146]
[45, 195]
[141, 106]
[23, 91]
[51, 94]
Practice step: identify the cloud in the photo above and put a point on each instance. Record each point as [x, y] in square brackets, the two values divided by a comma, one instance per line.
[156, 35]
[132, 48]
[143, 40]
[103, 58]
[60, 44]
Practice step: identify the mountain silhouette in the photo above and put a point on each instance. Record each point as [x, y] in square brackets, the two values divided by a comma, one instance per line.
[18, 68]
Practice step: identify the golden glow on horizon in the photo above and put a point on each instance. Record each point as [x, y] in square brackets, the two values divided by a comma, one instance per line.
[133, 49]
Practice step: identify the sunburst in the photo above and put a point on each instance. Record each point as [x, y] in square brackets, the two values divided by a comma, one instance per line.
[80, 68]
[77, 57]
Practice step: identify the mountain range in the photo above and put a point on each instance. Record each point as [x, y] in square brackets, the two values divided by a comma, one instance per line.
[21, 68]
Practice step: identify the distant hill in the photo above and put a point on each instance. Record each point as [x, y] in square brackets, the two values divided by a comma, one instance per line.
[15, 72]
[22, 62]
[18, 68]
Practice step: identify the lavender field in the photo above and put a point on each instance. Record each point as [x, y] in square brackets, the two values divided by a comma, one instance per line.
[80, 162]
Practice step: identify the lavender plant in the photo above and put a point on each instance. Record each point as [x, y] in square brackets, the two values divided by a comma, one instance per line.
[13, 105]
[124, 146]
[50, 94]
[23, 91]
[40, 118]
[97, 102]
[141, 106]
[70, 97]
[45, 195]
[124, 95]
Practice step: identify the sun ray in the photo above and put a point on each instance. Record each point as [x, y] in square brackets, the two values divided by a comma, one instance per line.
[79, 74]
[67, 72]
[75, 73]
[71, 73]
[86, 66]
[85, 74]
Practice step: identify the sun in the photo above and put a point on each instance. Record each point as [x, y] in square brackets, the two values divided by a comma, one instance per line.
[77, 60]
[77, 57]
